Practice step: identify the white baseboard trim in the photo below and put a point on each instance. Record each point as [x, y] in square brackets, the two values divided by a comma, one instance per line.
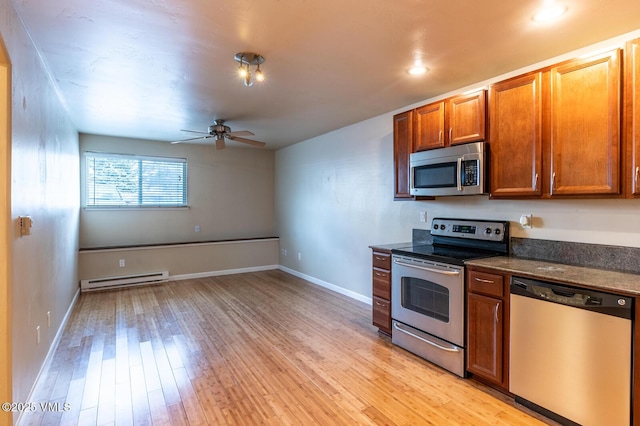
[222, 272]
[52, 350]
[332, 287]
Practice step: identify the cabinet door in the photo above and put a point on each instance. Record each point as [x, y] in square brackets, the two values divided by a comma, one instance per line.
[402, 146]
[515, 114]
[632, 116]
[429, 127]
[466, 117]
[585, 126]
[485, 344]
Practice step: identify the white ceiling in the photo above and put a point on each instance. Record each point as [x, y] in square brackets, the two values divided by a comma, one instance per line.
[148, 68]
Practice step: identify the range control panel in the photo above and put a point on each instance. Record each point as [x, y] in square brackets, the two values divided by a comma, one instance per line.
[472, 229]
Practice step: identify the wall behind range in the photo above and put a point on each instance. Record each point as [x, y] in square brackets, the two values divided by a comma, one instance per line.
[334, 198]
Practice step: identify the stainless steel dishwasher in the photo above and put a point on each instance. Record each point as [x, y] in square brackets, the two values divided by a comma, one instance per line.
[570, 352]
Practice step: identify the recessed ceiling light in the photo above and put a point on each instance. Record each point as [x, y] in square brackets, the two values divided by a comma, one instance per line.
[417, 70]
[549, 13]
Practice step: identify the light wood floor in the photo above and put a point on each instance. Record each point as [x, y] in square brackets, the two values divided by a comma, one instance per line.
[257, 348]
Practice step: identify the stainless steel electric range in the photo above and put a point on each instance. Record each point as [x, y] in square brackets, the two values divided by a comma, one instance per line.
[428, 288]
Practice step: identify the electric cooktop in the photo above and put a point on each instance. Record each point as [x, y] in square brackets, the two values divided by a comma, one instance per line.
[457, 240]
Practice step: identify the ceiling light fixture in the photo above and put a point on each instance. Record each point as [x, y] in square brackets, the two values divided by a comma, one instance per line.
[549, 13]
[245, 59]
[417, 70]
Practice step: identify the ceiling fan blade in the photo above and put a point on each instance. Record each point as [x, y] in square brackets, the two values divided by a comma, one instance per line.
[249, 141]
[194, 131]
[240, 133]
[220, 143]
[190, 139]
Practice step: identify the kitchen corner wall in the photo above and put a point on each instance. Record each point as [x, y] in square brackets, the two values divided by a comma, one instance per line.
[334, 198]
[44, 185]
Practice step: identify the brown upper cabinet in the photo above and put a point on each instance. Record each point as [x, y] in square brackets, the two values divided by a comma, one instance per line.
[632, 118]
[457, 120]
[515, 111]
[556, 132]
[429, 127]
[585, 126]
[402, 146]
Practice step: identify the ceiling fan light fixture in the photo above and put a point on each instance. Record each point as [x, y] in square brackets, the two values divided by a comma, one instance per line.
[246, 59]
[220, 142]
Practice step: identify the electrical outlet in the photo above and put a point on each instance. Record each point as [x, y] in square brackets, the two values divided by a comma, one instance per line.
[197, 228]
[121, 263]
[38, 335]
[283, 252]
[526, 221]
[423, 216]
[299, 256]
[48, 319]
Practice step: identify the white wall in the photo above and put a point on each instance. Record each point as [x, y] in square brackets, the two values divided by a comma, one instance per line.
[230, 196]
[44, 185]
[334, 198]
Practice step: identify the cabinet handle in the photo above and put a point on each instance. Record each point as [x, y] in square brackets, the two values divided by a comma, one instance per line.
[450, 134]
[535, 186]
[497, 307]
[480, 280]
[553, 181]
[383, 304]
[379, 258]
[380, 275]
[440, 136]
[637, 172]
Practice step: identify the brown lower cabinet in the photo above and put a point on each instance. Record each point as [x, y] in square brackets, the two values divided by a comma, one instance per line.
[488, 327]
[382, 290]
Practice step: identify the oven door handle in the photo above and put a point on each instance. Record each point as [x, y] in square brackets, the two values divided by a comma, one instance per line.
[424, 268]
[444, 348]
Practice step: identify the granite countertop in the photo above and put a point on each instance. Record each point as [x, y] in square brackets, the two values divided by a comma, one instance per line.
[623, 283]
[389, 247]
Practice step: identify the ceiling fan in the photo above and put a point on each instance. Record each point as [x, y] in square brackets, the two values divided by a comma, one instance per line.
[221, 132]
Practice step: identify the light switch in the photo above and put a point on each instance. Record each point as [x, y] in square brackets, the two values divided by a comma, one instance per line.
[25, 225]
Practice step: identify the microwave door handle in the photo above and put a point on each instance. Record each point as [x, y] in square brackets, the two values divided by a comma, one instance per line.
[459, 174]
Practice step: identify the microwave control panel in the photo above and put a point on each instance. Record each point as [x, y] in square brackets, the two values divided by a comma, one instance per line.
[470, 174]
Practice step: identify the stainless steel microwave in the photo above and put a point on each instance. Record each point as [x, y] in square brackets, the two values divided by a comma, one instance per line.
[456, 170]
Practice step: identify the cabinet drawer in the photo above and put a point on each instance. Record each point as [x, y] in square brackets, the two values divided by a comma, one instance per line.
[382, 283]
[382, 314]
[382, 260]
[486, 283]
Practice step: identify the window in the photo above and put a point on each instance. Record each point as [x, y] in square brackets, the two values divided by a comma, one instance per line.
[118, 180]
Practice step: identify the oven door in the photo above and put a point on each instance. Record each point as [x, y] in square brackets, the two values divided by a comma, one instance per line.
[429, 296]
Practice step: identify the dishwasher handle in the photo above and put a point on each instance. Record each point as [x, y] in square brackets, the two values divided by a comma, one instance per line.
[580, 298]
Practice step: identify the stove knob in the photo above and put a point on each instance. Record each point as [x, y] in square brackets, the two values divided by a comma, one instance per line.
[497, 231]
[487, 231]
[435, 226]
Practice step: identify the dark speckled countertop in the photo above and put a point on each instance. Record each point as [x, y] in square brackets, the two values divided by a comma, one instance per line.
[623, 283]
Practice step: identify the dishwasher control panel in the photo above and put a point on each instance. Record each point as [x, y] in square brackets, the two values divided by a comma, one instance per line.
[605, 303]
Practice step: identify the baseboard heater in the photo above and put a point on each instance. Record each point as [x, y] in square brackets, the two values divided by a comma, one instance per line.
[123, 281]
